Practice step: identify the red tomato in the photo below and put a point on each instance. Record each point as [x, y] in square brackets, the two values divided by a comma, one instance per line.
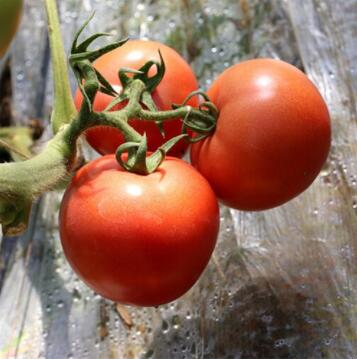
[272, 137]
[134, 239]
[177, 83]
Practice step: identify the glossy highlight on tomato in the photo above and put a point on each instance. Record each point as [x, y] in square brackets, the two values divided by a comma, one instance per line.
[177, 83]
[272, 138]
[135, 239]
[10, 12]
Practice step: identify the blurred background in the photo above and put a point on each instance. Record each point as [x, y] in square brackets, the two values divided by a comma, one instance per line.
[282, 283]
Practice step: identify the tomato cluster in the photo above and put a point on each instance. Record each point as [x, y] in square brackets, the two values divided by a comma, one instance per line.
[145, 239]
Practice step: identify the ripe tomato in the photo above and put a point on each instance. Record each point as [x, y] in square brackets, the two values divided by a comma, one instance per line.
[141, 240]
[177, 83]
[9, 20]
[272, 137]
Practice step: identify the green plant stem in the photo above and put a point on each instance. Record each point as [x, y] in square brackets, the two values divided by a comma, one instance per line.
[27, 179]
[6, 132]
[173, 114]
[44, 171]
[22, 182]
[64, 109]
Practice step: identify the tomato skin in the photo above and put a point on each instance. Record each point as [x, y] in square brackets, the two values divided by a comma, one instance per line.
[272, 138]
[141, 240]
[9, 20]
[177, 83]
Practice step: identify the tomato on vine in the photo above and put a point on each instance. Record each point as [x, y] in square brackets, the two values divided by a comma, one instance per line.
[137, 239]
[177, 83]
[272, 137]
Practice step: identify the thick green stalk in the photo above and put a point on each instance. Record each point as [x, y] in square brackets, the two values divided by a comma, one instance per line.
[64, 109]
[22, 182]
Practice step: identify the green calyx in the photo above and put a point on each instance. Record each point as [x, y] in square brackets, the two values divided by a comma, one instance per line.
[137, 102]
[138, 159]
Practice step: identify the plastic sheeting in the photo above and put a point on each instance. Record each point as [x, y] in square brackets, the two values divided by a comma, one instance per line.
[281, 283]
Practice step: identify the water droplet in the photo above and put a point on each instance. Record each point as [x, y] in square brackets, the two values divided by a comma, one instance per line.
[176, 321]
[140, 7]
[60, 304]
[327, 341]
[76, 295]
[279, 343]
[200, 19]
[20, 76]
[165, 326]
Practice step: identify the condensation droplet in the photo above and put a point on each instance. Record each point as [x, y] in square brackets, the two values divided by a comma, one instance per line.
[176, 321]
[279, 343]
[60, 304]
[165, 326]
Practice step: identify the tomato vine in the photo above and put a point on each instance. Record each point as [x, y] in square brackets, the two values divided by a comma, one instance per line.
[22, 182]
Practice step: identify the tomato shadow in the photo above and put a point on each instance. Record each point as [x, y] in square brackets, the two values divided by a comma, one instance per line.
[267, 317]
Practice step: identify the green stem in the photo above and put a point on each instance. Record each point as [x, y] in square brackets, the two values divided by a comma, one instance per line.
[27, 180]
[22, 182]
[13, 131]
[136, 89]
[164, 115]
[17, 141]
[173, 114]
[64, 109]
[120, 121]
